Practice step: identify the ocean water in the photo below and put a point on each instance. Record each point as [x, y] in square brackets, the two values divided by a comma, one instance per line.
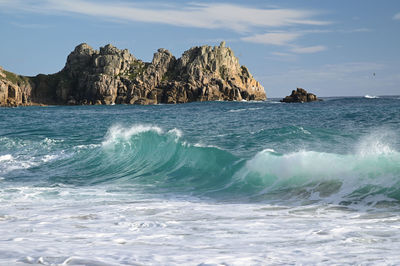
[215, 183]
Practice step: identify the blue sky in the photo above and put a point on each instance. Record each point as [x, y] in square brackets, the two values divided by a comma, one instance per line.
[331, 48]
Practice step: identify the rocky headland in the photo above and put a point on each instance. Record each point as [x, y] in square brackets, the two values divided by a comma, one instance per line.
[114, 76]
[300, 96]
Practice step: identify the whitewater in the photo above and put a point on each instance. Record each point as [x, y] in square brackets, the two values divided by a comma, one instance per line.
[212, 183]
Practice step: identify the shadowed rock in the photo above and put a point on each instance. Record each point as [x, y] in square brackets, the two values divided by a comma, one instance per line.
[300, 96]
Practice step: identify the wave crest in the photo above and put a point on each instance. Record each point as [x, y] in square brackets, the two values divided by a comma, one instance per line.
[161, 161]
[117, 133]
[343, 178]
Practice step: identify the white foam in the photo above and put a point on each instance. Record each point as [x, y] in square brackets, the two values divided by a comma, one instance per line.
[177, 132]
[306, 163]
[10, 163]
[118, 132]
[7, 157]
[268, 150]
[304, 131]
[84, 147]
[371, 97]
[244, 109]
[49, 141]
[254, 108]
[306, 169]
[237, 110]
[17, 166]
[127, 230]
[202, 145]
[49, 157]
[378, 142]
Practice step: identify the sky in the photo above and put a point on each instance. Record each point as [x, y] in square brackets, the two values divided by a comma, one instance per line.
[328, 47]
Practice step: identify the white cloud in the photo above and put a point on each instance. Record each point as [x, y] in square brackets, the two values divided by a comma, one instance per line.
[208, 15]
[285, 39]
[31, 26]
[357, 30]
[282, 54]
[274, 38]
[397, 16]
[308, 50]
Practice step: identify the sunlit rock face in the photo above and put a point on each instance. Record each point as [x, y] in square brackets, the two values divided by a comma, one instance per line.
[114, 76]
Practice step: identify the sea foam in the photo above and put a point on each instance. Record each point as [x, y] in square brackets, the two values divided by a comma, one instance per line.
[371, 97]
[118, 132]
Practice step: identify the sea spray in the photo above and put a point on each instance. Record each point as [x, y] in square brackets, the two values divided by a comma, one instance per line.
[377, 142]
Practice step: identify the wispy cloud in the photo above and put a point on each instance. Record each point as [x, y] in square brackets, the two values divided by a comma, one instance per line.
[273, 38]
[356, 30]
[397, 16]
[289, 39]
[208, 15]
[285, 39]
[308, 50]
[31, 26]
[282, 54]
[239, 18]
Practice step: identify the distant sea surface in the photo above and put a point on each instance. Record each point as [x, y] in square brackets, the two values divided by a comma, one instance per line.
[240, 183]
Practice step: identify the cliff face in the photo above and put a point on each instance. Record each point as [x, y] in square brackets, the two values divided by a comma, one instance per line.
[111, 76]
[14, 90]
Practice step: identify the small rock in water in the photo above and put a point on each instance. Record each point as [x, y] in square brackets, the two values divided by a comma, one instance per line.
[300, 96]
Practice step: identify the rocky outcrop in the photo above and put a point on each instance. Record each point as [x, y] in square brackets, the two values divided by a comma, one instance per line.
[210, 74]
[300, 96]
[113, 76]
[14, 90]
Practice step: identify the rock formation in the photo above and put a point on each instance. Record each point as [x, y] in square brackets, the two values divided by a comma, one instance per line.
[14, 90]
[113, 76]
[300, 96]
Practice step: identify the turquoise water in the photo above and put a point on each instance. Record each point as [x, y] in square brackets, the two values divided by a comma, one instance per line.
[218, 182]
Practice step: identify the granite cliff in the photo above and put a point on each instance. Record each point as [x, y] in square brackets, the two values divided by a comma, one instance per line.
[113, 76]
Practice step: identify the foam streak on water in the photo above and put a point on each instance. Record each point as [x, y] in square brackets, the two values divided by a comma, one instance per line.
[115, 228]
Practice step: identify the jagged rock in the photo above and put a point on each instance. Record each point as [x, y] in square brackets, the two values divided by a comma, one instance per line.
[14, 90]
[111, 76]
[213, 73]
[300, 96]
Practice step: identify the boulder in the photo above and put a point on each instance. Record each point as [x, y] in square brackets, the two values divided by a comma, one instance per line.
[300, 96]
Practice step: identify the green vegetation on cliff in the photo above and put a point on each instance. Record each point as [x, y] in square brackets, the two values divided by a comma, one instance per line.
[16, 79]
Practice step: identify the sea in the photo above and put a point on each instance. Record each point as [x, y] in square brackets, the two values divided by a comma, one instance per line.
[210, 183]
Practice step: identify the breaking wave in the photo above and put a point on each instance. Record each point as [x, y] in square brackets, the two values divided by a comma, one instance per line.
[161, 161]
